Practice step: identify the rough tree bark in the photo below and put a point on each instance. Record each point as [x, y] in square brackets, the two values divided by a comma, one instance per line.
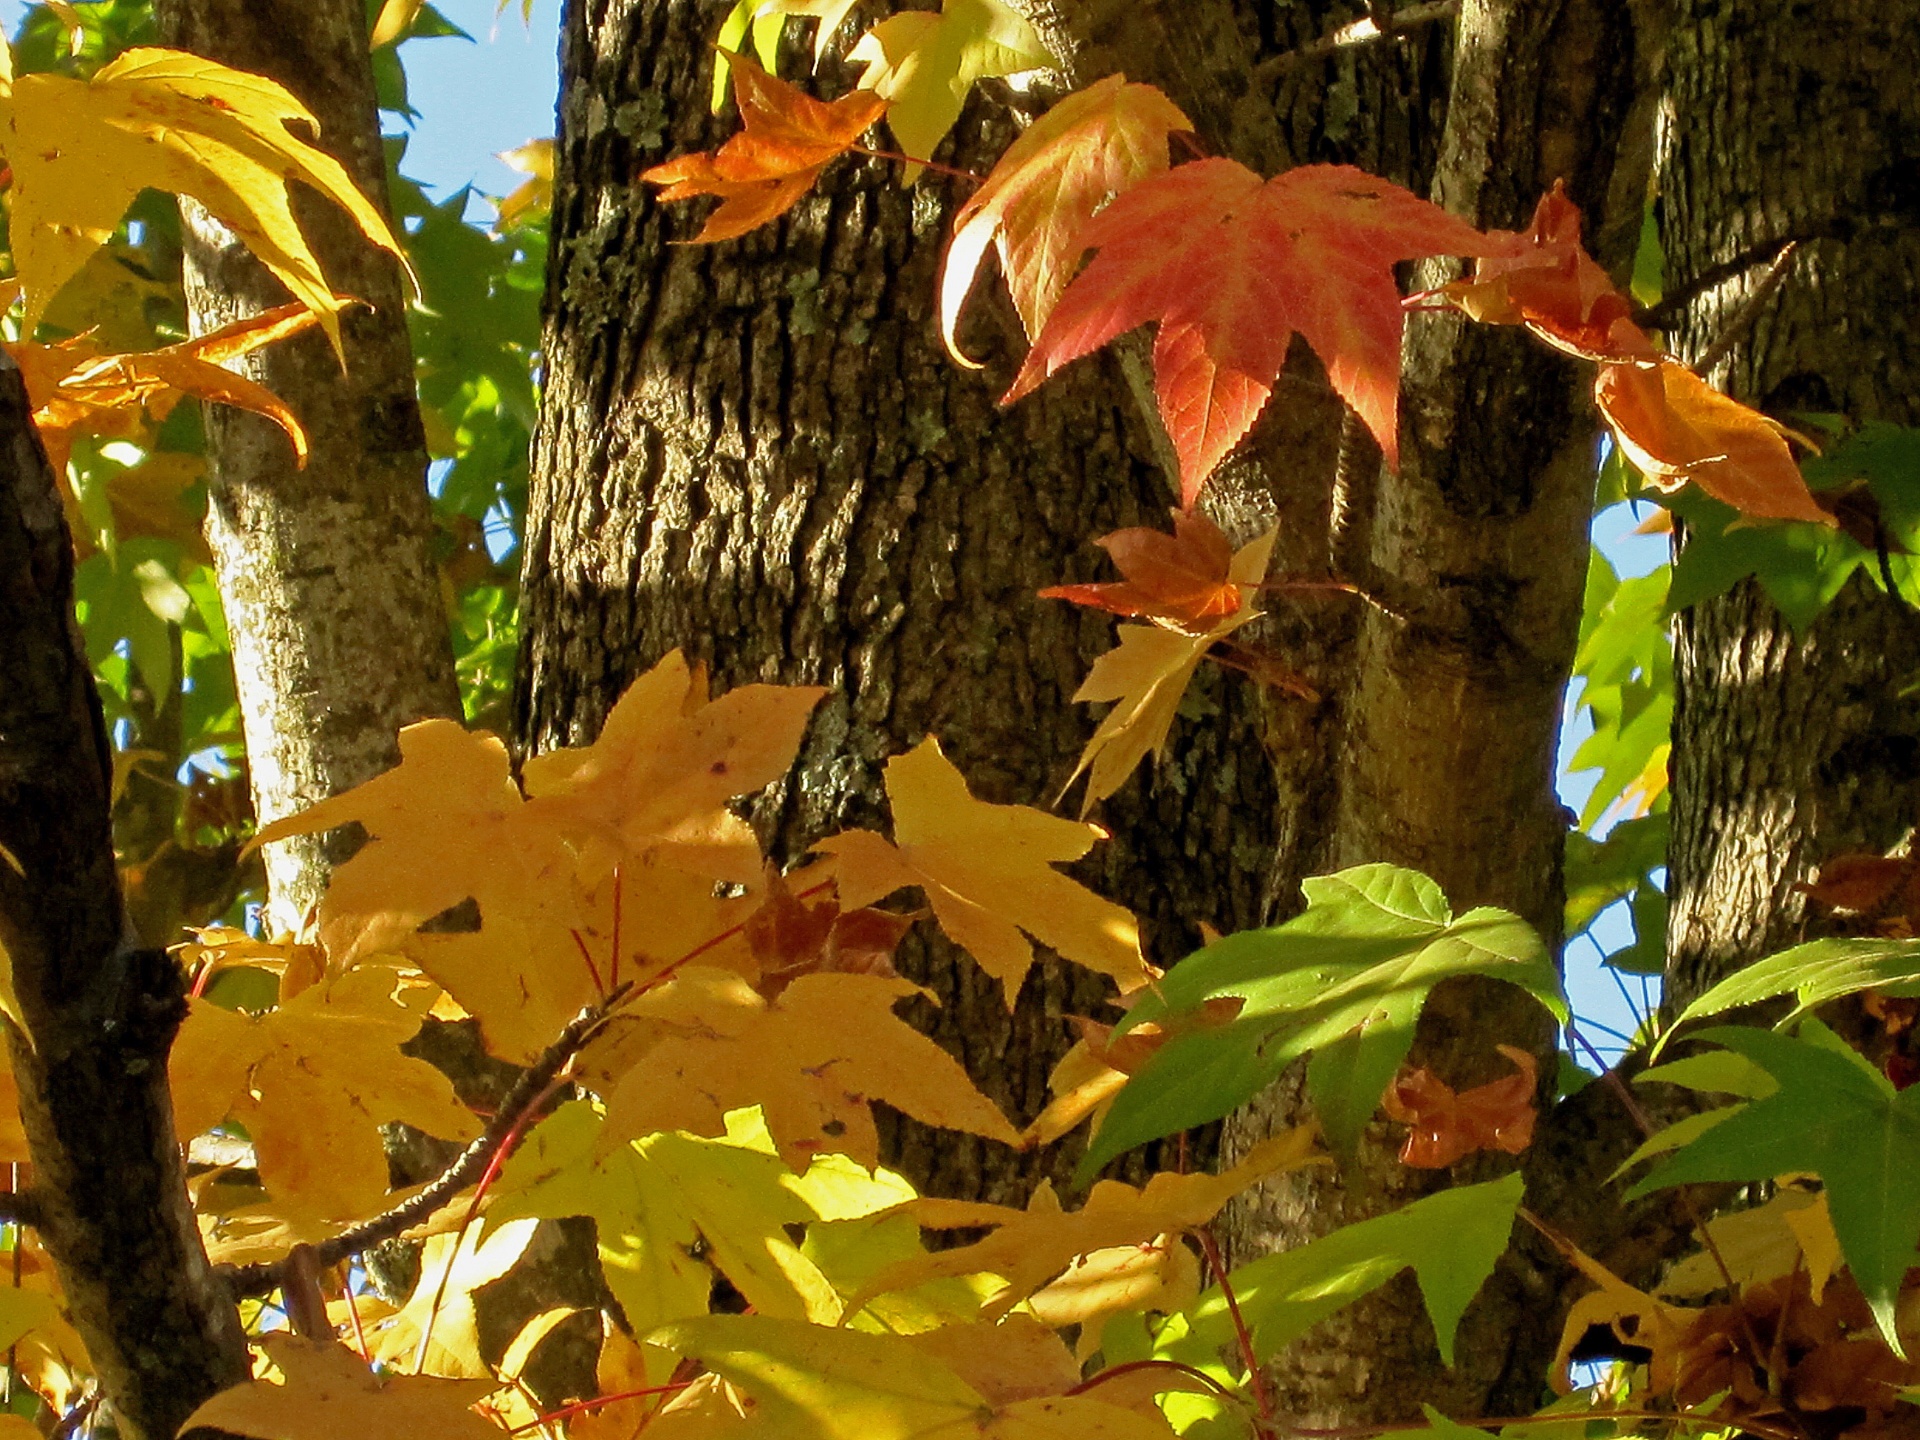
[759, 453]
[339, 630]
[91, 1013]
[1788, 120]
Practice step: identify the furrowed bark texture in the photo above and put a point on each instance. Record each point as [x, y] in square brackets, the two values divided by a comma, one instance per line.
[339, 630]
[95, 1013]
[1792, 120]
[758, 452]
[1446, 760]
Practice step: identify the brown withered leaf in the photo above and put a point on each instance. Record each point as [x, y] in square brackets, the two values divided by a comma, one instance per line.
[791, 936]
[1446, 1125]
[1885, 887]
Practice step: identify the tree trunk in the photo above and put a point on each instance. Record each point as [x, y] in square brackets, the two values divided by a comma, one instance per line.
[90, 1014]
[1446, 763]
[331, 596]
[1790, 120]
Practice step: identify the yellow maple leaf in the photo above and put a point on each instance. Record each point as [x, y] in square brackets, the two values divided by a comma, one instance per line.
[312, 1081]
[846, 1385]
[442, 1310]
[1030, 1247]
[82, 150]
[813, 1059]
[533, 197]
[1161, 1274]
[1043, 190]
[328, 1391]
[1146, 675]
[75, 390]
[987, 871]
[925, 64]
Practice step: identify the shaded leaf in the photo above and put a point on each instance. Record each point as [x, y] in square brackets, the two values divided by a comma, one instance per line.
[1444, 1126]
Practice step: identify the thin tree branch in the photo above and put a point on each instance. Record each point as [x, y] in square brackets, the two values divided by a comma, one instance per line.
[258, 1279]
[1749, 310]
[1380, 23]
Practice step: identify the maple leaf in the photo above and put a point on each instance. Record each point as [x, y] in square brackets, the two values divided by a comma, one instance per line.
[1230, 265]
[1147, 674]
[987, 872]
[311, 1081]
[443, 1309]
[1675, 427]
[329, 1392]
[790, 937]
[925, 63]
[816, 1383]
[81, 151]
[1030, 1247]
[1445, 1126]
[1094, 144]
[813, 1058]
[1185, 578]
[1344, 981]
[762, 172]
[1161, 1275]
[1544, 279]
[77, 391]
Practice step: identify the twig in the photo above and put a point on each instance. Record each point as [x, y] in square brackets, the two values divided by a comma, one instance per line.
[259, 1279]
[300, 1291]
[1749, 310]
[1256, 1373]
[1379, 23]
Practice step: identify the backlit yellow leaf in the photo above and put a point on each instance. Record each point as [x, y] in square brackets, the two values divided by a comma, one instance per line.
[82, 150]
[329, 1392]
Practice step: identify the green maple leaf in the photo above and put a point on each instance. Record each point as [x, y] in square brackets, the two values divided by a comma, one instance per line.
[1834, 1115]
[1451, 1241]
[925, 64]
[1814, 973]
[1344, 981]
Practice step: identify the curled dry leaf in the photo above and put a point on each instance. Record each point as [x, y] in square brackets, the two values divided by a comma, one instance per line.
[1884, 886]
[1094, 144]
[791, 936]
[1668, 421]
[1446, 1125]
[1675, 427]
[762, 172]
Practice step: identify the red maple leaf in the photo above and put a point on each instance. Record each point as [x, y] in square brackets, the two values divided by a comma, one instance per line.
[1230, 265]
[1183, 577]
[762, 172]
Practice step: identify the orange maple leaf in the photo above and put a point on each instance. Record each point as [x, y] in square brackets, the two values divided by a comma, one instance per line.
[76, 390]
[762, 172]
[1230, 265]
[1668, 421]
[1094, 144]
[1183, 578]
[1675, 427]
[1542, 278]
[1446, 1125]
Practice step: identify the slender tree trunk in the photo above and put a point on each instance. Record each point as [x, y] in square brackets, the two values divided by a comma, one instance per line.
[91, 1013]
[1446, 762]
[331, 596]
[1789, 120]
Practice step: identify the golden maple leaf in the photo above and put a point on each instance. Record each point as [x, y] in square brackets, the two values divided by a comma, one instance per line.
[328, 1391]
[987, 871]
[82, 150]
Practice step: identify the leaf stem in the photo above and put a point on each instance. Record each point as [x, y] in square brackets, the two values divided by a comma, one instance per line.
[1256, 1376]
[933, 165]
